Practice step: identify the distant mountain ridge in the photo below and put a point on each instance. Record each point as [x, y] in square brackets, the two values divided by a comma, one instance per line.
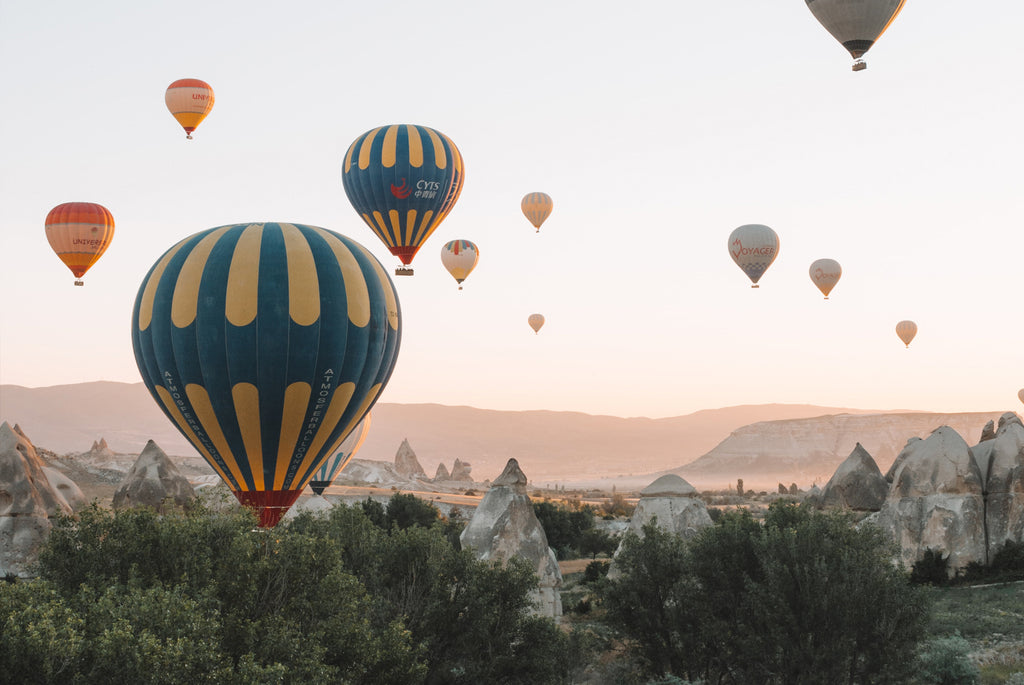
[809, 450]
[550, 446]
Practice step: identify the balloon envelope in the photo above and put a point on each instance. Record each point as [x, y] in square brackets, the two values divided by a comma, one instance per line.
[536, 321]
[460, 258]
[906, 330]
[403, 180]
[79, 232]
[856, 24]
[825, 273]
[189, 101]
[753, 247]
[335, 464]
[537, 208]
[265, 344]
[1020, 394]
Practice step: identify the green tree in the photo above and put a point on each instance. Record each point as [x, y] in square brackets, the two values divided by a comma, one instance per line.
[404, 511]
[41, 636]
[804, 598]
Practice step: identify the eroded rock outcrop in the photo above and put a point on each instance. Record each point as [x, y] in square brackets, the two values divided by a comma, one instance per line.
[504, 526]
[671, 503]
[406, 463]
[462, 471]
[1004, 483]
[936, 501]
[857, 484]
[27, 501]
[441, 474]
[153, 481]
[674, 504]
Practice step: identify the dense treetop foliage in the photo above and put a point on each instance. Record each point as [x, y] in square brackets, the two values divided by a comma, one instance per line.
[804, 597]
[206, 597]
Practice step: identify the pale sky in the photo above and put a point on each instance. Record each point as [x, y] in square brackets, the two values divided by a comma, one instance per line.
[657, 127]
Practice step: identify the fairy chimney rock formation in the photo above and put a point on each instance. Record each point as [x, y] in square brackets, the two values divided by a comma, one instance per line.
[406, 463]
[154, 482]
[857, 484]
[27, 500]
[1004, 483]
[989, 431]
[671, 504]
[936, 501]
[462, 471]
[898, 461]
[441, 474]
[504, 526]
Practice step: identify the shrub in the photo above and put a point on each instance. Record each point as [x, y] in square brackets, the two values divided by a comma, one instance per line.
[946, 661]
[930, 569]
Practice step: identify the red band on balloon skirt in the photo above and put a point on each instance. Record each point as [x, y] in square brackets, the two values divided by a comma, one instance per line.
[269, 505]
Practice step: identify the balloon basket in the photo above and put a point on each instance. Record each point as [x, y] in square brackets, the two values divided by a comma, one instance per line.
[755, 286]
[859, 65]
[403, 271]
[79, 282]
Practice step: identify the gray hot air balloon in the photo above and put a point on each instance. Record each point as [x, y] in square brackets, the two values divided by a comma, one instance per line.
[857, 24]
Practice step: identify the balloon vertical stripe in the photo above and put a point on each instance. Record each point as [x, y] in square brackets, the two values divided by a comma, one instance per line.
[243, 278]
[247, 408]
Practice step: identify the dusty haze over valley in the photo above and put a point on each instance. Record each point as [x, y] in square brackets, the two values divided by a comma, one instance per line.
[763, 444]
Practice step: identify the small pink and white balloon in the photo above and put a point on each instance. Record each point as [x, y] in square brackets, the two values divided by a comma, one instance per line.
[825, 273]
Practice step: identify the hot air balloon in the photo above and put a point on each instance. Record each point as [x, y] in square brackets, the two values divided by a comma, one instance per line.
[266, 344]
[825, 273]
[537, 208]
[460, 258]
[753, 247]
[906, 330]
[403, 180]
[856, 24]
[79, 232]
[189, 101]
[1020, 394]
[536, 321]
[334, 465]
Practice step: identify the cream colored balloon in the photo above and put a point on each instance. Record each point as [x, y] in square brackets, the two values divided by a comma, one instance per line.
[536, 321]
[856, 24]
[753, 247]
[460, 258]
[906, 330]
[825, 274]
[1020, 394]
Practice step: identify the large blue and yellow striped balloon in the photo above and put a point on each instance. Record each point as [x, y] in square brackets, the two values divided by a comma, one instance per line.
[266, 344]
[403, 180]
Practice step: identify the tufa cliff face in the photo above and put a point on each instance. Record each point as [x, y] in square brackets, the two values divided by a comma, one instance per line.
[810, 450]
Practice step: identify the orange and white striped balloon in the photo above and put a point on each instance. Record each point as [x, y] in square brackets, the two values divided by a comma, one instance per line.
[189, 101]
[79, 232]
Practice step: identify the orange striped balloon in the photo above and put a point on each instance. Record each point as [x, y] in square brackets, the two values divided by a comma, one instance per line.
[189, 100]
[79, 232]
[537, 207]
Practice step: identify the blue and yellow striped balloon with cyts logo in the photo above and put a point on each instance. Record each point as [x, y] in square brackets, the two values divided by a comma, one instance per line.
[266, 344]
[403, 180]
